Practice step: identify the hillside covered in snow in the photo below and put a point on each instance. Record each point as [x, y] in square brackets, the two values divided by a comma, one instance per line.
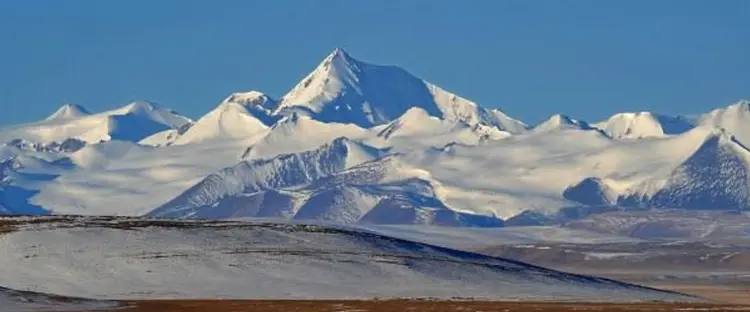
[104, 258]
[355, 142]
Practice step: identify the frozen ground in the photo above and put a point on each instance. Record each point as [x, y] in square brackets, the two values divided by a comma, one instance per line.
[479, 238]
[136, 259]
[19, 301]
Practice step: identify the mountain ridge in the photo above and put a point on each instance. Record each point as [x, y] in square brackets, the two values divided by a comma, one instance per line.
[470, 160]
[715, 176]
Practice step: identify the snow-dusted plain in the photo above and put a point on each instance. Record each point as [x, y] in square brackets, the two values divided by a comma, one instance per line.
[360, 143]
[140, 259]
[20, 301]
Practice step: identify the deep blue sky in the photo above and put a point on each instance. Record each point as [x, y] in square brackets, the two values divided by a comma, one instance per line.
[588, 59]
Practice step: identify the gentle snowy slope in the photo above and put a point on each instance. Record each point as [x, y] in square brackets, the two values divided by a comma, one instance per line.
[132, 122]
[146, 259]
[342, 89]
[241, 115]
[103, 154]
[417, 129]
[138, 180]
[296, 133]
[163, 138]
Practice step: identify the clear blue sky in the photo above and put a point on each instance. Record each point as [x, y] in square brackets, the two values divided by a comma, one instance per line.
[587, 59]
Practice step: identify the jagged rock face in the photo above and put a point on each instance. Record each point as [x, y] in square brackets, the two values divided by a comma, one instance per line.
[71, 145]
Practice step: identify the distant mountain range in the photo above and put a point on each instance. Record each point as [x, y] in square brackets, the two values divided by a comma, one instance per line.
[360, 143]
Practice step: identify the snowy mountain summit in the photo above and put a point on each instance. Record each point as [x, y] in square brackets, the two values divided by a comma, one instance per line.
[558, 122]
[643, 125]
[734, 118]
[131, 122]
[69, 111]
[345, 90]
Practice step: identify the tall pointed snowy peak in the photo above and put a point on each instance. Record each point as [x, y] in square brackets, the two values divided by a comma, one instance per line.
[734, 118]
[558, 121]
[643, 125]
[343, 89]
[68, 111]
[241, 115]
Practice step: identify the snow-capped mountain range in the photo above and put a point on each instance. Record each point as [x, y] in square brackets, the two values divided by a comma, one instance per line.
[360, 143]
